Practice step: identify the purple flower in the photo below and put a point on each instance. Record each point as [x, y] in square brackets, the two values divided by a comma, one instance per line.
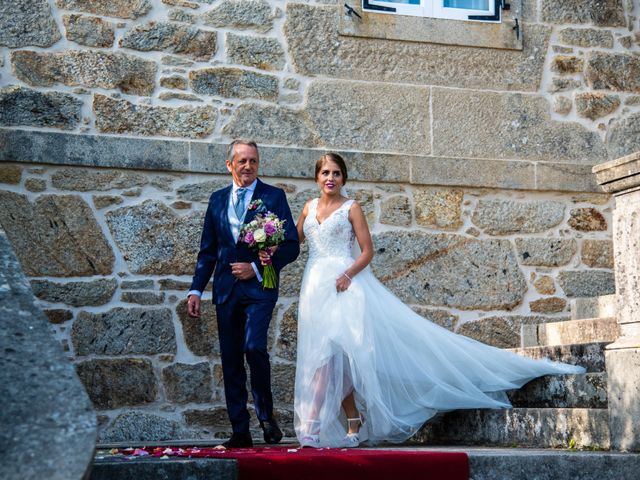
[248, 237]
[269, 228]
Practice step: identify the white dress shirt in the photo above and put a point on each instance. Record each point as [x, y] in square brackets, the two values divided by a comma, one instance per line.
[235, 223]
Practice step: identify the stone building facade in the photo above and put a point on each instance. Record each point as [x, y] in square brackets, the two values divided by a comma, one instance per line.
[472, 162]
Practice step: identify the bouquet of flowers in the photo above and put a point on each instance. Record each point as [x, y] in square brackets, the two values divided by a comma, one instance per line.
[263, 233]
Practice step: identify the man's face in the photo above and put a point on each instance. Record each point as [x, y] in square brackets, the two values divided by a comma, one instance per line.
[244, 167]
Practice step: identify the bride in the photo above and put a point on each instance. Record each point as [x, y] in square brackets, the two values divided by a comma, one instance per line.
[364, 352]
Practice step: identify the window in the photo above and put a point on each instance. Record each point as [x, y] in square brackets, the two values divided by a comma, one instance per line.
[475, 10]
[470, 23]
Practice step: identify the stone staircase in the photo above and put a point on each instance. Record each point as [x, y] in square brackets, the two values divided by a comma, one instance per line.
[484, 464]
[569, 411]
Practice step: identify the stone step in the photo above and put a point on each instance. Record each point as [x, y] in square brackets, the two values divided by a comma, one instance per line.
[484, 464]
[588, 355]
[531, 427]
[589, 330]
[536, 464]
[145, 468]
[587, 390]
[593, 307]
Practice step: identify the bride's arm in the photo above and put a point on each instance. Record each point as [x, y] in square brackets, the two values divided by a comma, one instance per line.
[300, 223]
[363, 236]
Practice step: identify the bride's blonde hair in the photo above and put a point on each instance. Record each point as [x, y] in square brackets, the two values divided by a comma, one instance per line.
[335, 158]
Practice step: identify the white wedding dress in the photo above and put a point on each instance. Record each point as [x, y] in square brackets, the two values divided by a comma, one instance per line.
[404, 369]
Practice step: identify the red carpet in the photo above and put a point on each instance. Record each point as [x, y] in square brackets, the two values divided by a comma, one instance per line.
[320, 464]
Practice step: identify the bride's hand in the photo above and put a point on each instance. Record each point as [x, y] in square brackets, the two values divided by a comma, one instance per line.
[342, 283]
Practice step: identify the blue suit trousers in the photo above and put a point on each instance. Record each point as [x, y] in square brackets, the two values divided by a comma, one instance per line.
[243, 326]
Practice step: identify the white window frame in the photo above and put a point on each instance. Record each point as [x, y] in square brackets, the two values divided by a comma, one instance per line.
[439, 11]
[435, 9]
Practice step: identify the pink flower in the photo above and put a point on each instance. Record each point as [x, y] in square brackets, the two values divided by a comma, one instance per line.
[269, 228]
[255, 204]
[248, 237]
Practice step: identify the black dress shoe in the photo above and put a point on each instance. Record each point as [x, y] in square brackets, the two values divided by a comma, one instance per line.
[238, 440]
[272, 434]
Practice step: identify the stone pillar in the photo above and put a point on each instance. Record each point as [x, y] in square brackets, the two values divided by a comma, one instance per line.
[621, 177]
[47, 422]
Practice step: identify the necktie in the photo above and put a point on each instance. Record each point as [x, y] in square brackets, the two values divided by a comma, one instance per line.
[239, 206]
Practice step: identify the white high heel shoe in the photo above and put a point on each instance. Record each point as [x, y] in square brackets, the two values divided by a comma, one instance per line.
[352, 440]
[311, 439]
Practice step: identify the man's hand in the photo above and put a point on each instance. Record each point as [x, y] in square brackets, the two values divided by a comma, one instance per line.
[242, 270]
[193, 306]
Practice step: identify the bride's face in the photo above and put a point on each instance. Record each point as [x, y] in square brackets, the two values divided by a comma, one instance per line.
[330, 178]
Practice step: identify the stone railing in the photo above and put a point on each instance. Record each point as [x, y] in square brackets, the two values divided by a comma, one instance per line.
[48, 423]
[622, 178]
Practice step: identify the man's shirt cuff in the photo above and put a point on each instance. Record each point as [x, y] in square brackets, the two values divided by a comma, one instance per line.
[255, 269]
[194, 292]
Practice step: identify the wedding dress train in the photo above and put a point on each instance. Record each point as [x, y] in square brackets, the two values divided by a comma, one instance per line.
[403, 369]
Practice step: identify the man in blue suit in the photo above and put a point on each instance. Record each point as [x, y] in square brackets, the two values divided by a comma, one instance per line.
[243, 306]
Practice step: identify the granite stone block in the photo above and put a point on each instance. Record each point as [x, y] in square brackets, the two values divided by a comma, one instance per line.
[48, 423]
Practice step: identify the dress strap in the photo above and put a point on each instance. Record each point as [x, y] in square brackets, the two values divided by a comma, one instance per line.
[347, 205]
[313, 206]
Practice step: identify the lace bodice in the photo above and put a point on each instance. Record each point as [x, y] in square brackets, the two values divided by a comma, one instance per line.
[331, 238]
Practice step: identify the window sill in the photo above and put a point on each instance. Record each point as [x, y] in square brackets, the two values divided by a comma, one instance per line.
[433, 30]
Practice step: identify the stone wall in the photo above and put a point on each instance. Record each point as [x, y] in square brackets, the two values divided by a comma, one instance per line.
[473, 165]
[279, 71]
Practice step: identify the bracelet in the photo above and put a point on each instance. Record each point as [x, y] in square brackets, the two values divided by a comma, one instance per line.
[345, 274]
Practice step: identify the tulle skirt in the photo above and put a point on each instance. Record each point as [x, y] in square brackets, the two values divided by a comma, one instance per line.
[402, 368]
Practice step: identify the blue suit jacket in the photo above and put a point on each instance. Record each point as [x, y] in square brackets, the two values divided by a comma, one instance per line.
[218, 248]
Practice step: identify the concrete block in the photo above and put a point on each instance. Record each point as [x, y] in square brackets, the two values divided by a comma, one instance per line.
[588, 390]
[493, 464]
[588, 355]
[535, 427]
[624, 391]
[153, 469]
[579, 331]
[593, 307]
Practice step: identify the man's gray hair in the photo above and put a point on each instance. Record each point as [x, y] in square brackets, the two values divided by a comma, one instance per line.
[240, 141]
